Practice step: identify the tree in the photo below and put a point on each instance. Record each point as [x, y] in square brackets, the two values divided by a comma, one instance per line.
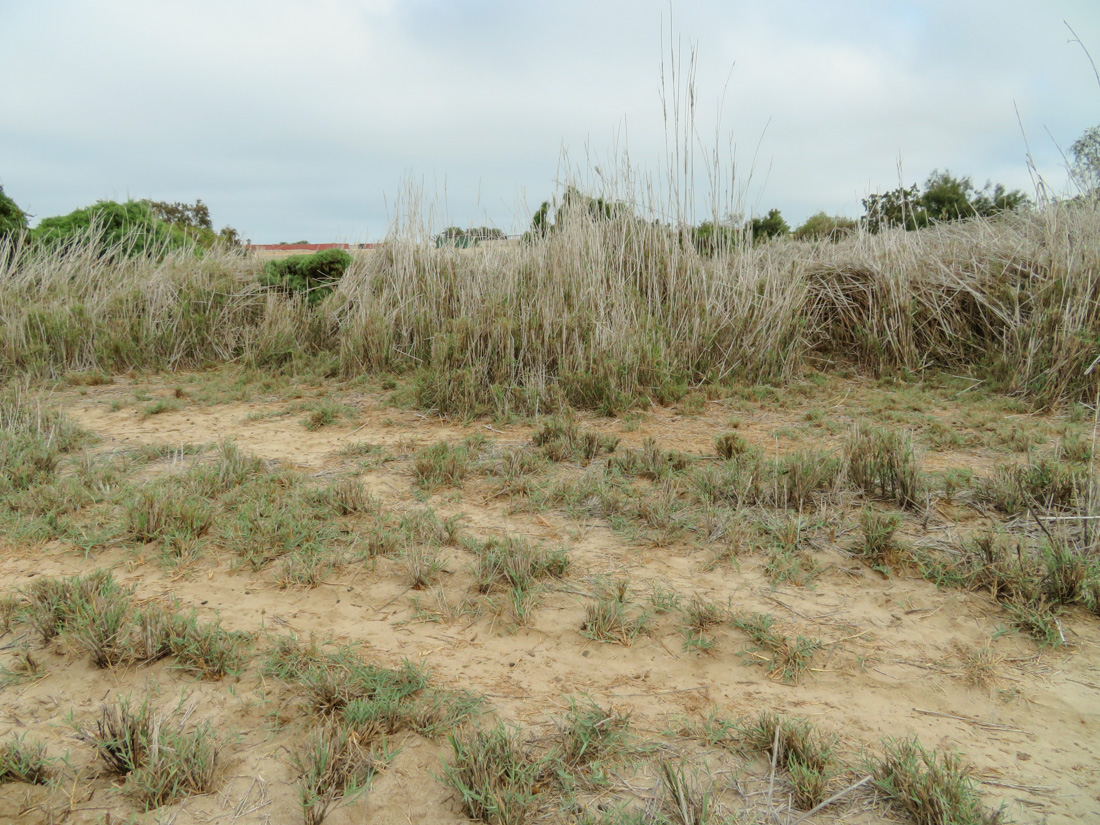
[13, 220]
[825, 227]
[1085, 169]
[770, 226]
[123, 229]
[944, 198]
[194, 221]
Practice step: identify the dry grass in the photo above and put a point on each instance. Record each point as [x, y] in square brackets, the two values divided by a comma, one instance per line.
[602, 313]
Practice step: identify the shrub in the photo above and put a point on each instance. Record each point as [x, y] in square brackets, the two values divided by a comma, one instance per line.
[13, 220]
[825, 227]
[118, 230]
[314, 275]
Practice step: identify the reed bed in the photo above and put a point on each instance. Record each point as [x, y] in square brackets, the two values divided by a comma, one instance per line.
[602, 313]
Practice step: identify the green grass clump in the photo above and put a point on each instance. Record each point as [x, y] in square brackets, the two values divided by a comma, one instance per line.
[1045, 483]
[930, 788]
[23, 761]
[444, 464]
[612, 617]
[495, 776]
[160, 761]
[563, 440]
[517, 567]
[650, 462]
[335, 763]
[883, 463]
[786, 657]
[807, 754]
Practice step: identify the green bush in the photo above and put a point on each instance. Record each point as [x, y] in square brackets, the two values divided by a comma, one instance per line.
[13, 220]
[119, 230]
[826, 227]
[314, 275]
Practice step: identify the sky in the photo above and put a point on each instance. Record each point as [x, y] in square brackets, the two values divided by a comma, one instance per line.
[327, 120]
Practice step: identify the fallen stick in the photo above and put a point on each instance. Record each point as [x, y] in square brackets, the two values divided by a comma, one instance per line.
[833, 799]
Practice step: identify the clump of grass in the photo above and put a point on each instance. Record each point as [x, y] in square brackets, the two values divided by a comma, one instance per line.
[169, 508]
[591, 736]
[876, 544]
[563, 440]
[336, 762]
[423, 563]
[444, 464]
[325, 412]
[23, 761]
[611, 617]
[884, 463]
[161, 405]
[701, 616]
[650, 462]
[206, 649]
[684, 797]
[730, 445]
[807, 754]
[711, 729]
[55, 605]
[495, 776]
[802, 474]
[787, 658]
[161, 762]
[930, 788]
[1045, 482]
[515, 565]
[516, 470]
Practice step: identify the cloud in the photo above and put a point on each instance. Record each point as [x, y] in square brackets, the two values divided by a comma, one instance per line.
[300, 119]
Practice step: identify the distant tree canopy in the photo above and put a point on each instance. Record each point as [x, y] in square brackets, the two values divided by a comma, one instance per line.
[1085, 169]
[136, 227]
[822, 227]
[458, 237]
[771, 225]
[124, 229]
[574, 202]
[944, 198]
[194, 220]
[13, 220]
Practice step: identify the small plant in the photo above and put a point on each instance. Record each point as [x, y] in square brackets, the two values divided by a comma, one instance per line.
[884, 463]
[207, 650]
[796, 745]
[311, 276]
[650, 462]
[591, 735]
[563, 440]
[495, 777]
[700, 617]
[688, 803]
[877, 545]
[22, 761]
[730, 445]
[160, 762]
[610, 619]
[335, 763]
[324, 413]
[801, 475]
[929, 787]
[663, 599]
[712, 729]
[1045, 482]
[787, 658]
[444, 464]
[423, 563]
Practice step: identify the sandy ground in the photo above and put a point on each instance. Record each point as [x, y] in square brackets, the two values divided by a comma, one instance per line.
[892, 662]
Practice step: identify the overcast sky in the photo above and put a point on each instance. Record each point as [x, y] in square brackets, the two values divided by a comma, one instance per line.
[307, 120]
